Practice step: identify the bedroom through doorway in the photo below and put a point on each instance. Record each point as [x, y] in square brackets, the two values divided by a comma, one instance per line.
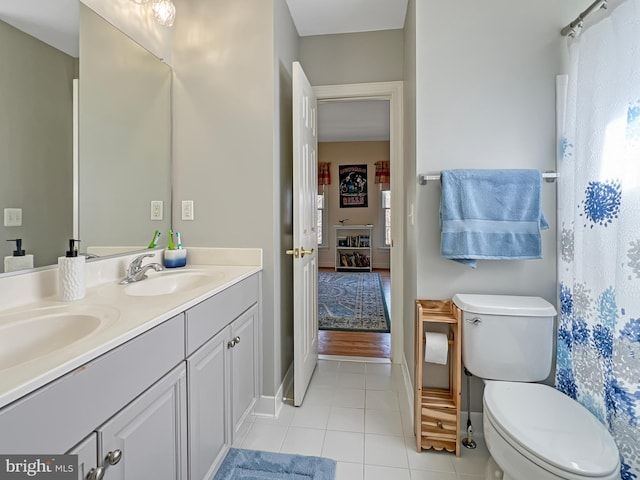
[358, 343]
[354, 225]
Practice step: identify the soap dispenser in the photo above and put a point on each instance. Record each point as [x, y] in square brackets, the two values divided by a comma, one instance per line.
[71, 282]
[19, 260]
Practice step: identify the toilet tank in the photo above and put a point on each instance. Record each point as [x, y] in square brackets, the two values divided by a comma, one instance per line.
[507, 337]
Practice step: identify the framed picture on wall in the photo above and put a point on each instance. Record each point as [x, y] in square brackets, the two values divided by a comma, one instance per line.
[353, 185]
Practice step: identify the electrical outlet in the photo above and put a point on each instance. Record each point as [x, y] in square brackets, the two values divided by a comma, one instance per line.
[12, 217]
[187, 210]
[156, 209]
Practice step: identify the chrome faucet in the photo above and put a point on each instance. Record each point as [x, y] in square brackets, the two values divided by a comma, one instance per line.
[136, 271]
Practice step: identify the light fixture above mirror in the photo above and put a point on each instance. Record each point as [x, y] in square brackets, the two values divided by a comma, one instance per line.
[164, 11]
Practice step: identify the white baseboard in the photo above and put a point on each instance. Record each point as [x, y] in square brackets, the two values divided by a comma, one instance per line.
[381, 266]
[270, 406]
[408, 386]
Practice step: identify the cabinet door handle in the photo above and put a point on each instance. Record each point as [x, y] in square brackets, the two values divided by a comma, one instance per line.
[237, 340]
[95, 473]
[232, 343]
[114, 457]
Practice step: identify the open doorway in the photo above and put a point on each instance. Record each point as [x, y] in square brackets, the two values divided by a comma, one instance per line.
[354, 228]
[393, 92]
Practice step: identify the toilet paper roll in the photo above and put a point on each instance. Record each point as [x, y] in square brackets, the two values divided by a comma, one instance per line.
[436, 348]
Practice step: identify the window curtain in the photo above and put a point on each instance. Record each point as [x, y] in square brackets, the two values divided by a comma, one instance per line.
[598, 357]
[324, 173]
[383, 174]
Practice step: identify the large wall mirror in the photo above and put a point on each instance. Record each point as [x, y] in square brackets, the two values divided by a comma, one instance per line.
[123, 146]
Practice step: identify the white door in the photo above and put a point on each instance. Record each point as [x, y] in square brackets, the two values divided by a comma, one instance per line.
[305, 236]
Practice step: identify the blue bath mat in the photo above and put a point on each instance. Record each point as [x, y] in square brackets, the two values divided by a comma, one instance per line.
[241, 464]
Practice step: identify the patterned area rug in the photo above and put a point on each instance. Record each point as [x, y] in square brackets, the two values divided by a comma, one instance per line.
[352, 301]
[241, 464]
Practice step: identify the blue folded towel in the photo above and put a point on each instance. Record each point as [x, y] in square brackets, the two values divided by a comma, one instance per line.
[491, 215]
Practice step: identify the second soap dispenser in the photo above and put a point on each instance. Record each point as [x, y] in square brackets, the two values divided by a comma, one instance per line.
[20, 260]
[71, 281]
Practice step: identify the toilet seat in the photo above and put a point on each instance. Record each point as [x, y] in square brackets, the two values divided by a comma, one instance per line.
[551, 430]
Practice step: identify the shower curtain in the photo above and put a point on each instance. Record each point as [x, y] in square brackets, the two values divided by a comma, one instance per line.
[598, 358]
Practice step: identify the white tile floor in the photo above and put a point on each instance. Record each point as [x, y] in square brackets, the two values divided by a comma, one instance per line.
[352, 413]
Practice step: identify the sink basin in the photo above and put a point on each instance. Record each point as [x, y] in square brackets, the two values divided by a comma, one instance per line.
[35, 333]
[165, 283]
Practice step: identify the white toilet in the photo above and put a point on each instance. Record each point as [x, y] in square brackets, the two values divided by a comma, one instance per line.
[533, 431]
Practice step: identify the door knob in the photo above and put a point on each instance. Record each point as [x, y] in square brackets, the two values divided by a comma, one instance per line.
[95, 473]
[304, 252]
[295, 252]
[114, 457]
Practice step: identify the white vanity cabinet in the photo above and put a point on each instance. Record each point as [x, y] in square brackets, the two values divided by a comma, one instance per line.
[68, 409]
[209, 433]
[164, 405]
[146, 439]
[222, 372]
[87, 452]
[244, 357]
[100, 396]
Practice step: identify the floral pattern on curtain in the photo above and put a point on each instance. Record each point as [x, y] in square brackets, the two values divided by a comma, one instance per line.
[383, 174]
[598, 357]
[324, 173]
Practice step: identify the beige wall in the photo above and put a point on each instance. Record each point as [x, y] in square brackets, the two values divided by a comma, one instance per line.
[409, 270]
[353, 153]
[485, 78]
[36, 141]
[353, 57]
[232, 135]
[286, 51]
[232, 145]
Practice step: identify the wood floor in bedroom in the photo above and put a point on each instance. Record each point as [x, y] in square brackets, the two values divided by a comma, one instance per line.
[358, 344]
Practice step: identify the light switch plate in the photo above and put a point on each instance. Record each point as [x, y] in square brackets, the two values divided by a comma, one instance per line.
[12, 217]
[187, 210]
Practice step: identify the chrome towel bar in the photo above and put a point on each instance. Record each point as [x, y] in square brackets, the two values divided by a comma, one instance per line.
[423, 178]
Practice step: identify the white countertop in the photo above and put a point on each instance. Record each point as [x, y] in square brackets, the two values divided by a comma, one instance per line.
[129, 316]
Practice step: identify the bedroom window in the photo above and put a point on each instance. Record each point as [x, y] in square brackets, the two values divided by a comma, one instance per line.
[385, 204]
[322, 221]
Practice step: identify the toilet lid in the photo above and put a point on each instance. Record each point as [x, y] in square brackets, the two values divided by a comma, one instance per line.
[552, 427]
[509, 305]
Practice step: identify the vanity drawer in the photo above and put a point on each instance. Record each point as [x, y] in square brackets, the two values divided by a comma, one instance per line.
[53, 418]
[209, 317]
